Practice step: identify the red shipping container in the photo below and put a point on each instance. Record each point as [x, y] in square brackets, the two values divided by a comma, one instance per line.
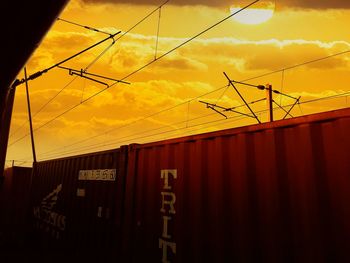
[78, 202]
[275, 192]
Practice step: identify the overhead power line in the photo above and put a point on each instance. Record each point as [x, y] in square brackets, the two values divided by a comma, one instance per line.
[91, 63]
[132, 73]
[39, 73]
[132, 136]
[155, 129]
[172, 50]
[226, 86]
[142, 20]
[94, 61]
[136, 121]
[62, 89]
[272, 72]
[299, 65]
[59, 152]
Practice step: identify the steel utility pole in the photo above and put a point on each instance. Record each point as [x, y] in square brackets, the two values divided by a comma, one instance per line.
[269, 101]
[30, 117]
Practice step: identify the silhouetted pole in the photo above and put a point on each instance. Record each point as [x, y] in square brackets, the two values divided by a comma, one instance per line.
[6, 109]
[30, 117]
[269, 101]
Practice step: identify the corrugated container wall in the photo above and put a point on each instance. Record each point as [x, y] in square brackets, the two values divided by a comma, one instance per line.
[14, 206]
[78, 202]
[276, 192]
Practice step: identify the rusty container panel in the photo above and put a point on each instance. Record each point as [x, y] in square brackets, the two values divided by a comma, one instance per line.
[78, 202]
[14, 206]
[276, 192]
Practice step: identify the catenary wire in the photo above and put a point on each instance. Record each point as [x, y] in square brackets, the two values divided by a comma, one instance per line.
[132, 137]
[142, 20]
[69, 83]
[80, 25]
[171, 51]
[94, 61]
[184, 128]
[139, 69]
[299, 65]
[248, 79]
[141, 119]
[291, 67]
[61, 90]
[161, 133]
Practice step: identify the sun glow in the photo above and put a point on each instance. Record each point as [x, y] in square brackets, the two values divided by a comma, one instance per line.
[253, 16]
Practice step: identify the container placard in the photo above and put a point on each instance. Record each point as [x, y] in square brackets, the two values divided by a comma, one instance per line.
[98, 175]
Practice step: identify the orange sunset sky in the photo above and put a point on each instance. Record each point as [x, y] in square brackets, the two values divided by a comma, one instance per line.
[162, 100]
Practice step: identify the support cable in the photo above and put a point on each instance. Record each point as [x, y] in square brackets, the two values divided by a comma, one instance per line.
[142, 20]
[44, 106]
[159, 17]
[287, 112]
[250, 109]
[137, 70]
[138, 120]
[261, 87]
[64, 87]
[94, 146]
[296, 102]
[100, 55]
[299, 65]
[39, 73]
[86, 68]
[128, 136]
[142, 132]
[214, 109]
[80, 25]
[173, 49]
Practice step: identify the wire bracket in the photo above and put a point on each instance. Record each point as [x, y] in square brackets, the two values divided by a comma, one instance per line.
[82, 73]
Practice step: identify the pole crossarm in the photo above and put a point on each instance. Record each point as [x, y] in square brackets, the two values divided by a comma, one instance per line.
[250, 109]
[214, 106]
[252, 102]
[82, 73]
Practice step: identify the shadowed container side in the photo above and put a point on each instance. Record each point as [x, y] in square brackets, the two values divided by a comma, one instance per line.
[14, 207]
[78, 204]
[275, 192]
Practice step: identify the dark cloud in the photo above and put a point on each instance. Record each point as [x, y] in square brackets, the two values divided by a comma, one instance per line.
[313, 4]
[171, 2]
[317, 4]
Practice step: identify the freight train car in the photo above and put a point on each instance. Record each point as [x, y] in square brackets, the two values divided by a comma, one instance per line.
[275, 192]
[14, 206]
[77, 204]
